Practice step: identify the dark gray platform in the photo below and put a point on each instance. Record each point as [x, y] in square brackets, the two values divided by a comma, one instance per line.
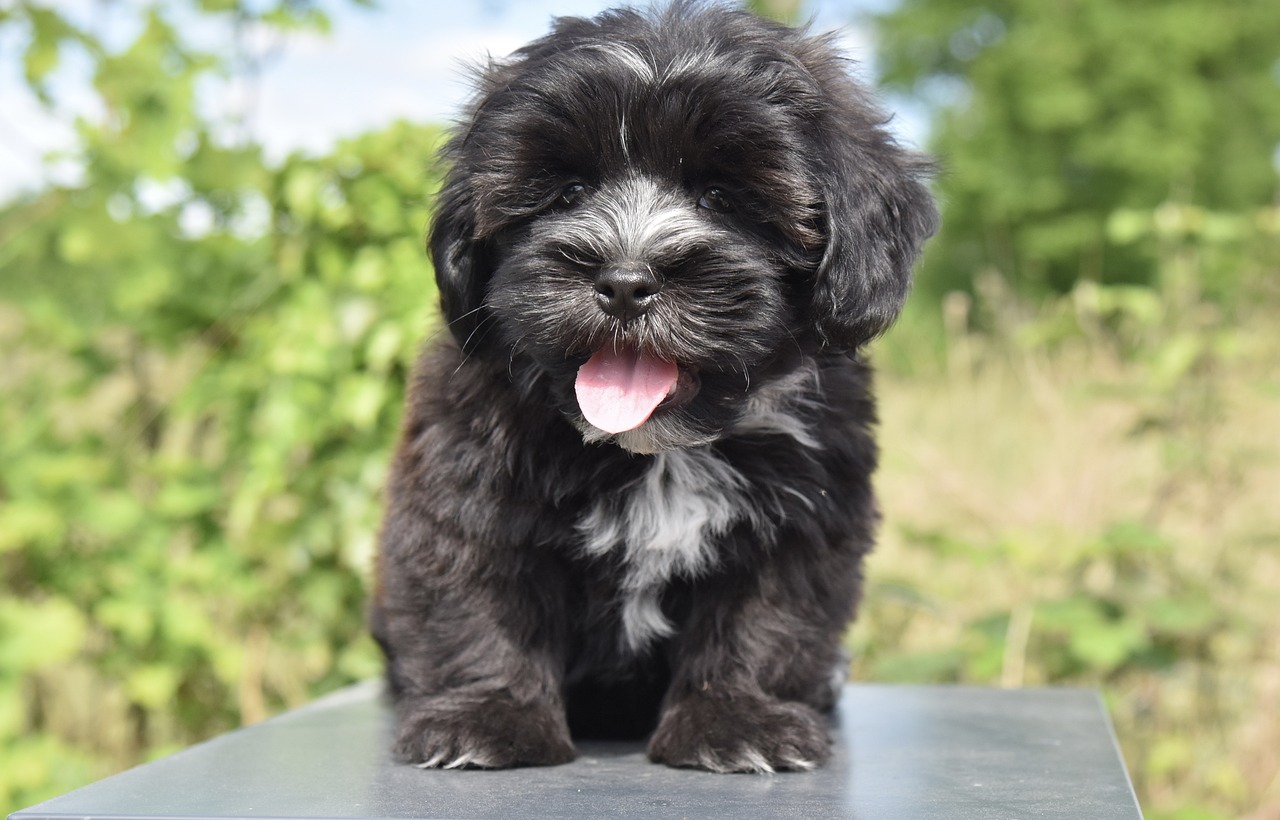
[901, 752]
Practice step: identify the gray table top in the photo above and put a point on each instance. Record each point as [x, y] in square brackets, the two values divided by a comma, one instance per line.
[901, 752]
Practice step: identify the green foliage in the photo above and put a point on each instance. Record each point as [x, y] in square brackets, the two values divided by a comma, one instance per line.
[196, 436]
[1051, 117]
[1109, 245]
[786, 11]
[1168, 606]
[1128, 607]
[197, 402]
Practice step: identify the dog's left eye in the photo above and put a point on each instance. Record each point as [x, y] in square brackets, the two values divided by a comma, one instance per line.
[715, 199]
[569, 195]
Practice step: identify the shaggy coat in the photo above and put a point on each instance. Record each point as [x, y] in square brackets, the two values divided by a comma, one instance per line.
[699, 194]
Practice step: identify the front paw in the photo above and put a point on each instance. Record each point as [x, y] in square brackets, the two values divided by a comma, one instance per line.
[489, 731]
[740, 735]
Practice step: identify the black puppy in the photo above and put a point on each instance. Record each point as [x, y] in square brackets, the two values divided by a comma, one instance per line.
[633, 494]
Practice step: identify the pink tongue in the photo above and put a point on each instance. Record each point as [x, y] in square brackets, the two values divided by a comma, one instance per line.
[617, 391]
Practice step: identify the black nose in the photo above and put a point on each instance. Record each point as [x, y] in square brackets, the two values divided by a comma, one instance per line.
[626, 292]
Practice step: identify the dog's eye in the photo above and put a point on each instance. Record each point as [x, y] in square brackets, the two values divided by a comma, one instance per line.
[715, 199]
[569, 195]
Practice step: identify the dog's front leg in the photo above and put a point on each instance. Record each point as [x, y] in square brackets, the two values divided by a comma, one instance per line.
[754, 669]
[473, 639]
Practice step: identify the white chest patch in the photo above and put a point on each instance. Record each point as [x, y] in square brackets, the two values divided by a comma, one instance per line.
[666, 524]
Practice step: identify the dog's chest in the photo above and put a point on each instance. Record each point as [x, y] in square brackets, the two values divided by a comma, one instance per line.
[666, 525]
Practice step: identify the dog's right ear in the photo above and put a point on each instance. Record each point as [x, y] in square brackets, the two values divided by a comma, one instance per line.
[460, 259]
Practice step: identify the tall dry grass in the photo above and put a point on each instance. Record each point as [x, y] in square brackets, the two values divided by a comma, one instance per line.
[1094, 511]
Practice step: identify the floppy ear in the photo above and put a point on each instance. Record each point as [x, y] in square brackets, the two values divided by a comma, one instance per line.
[878, 215]
[462, 230]
[460, 260]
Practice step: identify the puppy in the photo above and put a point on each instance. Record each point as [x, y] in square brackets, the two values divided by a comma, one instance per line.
[633, 493]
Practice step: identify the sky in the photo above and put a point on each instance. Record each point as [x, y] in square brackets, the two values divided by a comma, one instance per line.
[404, 59]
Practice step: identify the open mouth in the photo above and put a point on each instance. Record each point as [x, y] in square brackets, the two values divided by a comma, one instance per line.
[619, 389]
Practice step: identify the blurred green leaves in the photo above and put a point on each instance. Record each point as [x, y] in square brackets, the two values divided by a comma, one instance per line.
[1132, 605]
[1051, 117]
[205, 357]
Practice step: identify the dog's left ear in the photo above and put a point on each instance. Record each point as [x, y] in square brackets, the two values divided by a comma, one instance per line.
[878, 213]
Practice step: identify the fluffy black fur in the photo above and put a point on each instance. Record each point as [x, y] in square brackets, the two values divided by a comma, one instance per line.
[689, 580]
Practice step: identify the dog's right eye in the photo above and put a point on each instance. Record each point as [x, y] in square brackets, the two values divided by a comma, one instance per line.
[569, 195]
[715, 199]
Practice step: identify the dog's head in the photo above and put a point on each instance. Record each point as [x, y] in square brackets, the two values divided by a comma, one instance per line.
[658, 211]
